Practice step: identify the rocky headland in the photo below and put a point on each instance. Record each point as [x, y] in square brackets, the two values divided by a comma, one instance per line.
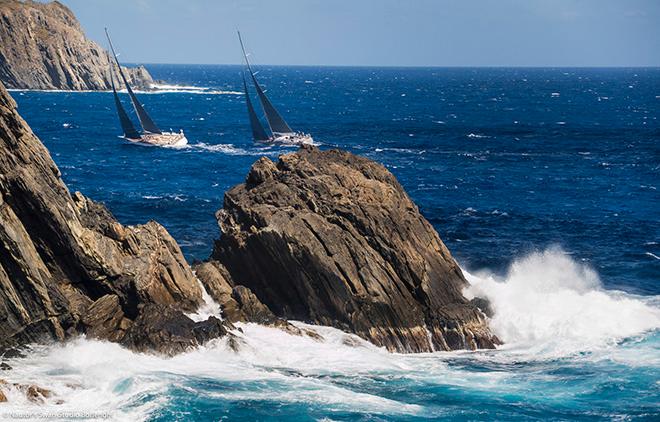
[67, 267]
[42, 46]
[330, 238]
[323, 237]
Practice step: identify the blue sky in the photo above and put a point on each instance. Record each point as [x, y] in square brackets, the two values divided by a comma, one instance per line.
[381, 32]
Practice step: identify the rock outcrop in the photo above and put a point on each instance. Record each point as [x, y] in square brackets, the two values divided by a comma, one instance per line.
[332, 238]
[42, 46]
[32, 392]
[68, 267]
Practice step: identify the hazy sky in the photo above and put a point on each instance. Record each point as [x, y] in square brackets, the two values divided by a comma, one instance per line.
[381, 32]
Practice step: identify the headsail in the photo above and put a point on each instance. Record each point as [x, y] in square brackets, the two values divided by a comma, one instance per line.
[148, 125]
[258, 131]
[274, 118]
[127, 126]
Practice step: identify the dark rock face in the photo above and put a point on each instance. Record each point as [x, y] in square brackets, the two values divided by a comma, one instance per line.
[166, 330]
[238, 303]
[42, 46]
[68, 267]
[332, 238]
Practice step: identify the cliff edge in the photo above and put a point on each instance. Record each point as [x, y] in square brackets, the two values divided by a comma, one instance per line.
[42, 46]
[67, 267]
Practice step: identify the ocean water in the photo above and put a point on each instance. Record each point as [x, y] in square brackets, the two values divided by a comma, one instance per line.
[542, 182]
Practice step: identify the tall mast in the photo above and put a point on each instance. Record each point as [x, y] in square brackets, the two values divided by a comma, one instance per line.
[146, 122]
[273, 117]
[127, 126]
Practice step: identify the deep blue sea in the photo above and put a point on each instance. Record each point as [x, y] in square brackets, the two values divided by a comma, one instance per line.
[542, 182]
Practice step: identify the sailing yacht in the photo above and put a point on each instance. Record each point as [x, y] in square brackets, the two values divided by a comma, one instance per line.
[280, 130]
[151, 134]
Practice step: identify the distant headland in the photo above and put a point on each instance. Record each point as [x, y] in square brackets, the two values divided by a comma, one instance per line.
[43, 47]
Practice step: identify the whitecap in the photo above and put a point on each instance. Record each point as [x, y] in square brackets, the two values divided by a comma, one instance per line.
[178, 87]
[224, 148]
[551, 305]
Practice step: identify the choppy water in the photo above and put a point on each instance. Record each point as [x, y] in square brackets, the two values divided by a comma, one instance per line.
[542, 182]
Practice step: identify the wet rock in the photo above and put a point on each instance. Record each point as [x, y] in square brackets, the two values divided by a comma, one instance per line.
[32, 392]
[240, 304]
[67, 267]
[167, 330]
[42, 46]
[484, 305]
[35, 393]
[12, 352]
[5, 367]
[332, 238]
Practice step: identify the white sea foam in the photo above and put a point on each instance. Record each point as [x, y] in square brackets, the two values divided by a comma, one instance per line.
[157, 89]
[208, 309]
[652, 255]
[550, 304]
[229, 149]
[90, 375]
[187, 91]
[174, 86]
[547, 306]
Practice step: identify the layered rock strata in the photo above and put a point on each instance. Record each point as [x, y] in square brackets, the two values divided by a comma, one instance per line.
[68, 267]
[330, 238]
[42, 46]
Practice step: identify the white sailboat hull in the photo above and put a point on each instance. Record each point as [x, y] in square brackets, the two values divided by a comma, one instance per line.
[293, 138]
[165, 139]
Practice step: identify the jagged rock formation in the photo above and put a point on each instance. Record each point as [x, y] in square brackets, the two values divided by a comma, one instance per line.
[332, 238]
[240, 304]
[68, 267]
[42, 46]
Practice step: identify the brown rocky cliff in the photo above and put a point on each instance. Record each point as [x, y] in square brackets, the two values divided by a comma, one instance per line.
[331, 238]
[42, 46]
[68, 267]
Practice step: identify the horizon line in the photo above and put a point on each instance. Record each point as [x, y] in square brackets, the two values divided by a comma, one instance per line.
[409, 66]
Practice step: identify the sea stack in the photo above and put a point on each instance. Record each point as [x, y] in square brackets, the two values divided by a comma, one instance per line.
[67, 267]
[42, 46]
[331, 238]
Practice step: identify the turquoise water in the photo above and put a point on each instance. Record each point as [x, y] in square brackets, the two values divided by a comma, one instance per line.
[542, 182]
